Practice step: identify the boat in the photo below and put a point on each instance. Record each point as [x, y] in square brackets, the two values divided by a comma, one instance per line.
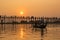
[40, 24]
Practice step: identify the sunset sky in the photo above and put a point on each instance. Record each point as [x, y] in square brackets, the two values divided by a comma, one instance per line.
[30, 7]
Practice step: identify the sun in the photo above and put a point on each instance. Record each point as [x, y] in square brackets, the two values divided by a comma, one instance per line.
[21, 12]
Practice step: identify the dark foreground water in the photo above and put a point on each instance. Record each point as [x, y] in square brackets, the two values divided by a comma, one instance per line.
[27, 32]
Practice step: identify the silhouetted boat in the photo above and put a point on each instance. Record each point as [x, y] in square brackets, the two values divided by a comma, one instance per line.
[40, 24]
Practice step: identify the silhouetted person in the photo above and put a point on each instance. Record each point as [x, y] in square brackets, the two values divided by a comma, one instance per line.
[1, 21]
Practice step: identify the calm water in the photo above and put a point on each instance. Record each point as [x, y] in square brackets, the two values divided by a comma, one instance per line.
[27, 32]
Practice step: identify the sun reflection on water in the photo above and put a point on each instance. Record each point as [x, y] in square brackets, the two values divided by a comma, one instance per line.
[21, 33]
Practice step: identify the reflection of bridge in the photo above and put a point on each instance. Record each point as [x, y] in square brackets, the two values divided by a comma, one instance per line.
[22, 19]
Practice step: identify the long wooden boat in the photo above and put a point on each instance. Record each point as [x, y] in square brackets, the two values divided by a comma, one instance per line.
[40, 24]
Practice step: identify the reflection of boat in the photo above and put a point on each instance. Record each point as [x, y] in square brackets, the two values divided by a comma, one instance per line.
[40, 24]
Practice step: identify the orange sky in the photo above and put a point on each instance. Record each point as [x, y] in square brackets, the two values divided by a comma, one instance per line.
[30, 7]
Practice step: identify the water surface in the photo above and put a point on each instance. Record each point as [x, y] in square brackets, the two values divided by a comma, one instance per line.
[27, 32]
